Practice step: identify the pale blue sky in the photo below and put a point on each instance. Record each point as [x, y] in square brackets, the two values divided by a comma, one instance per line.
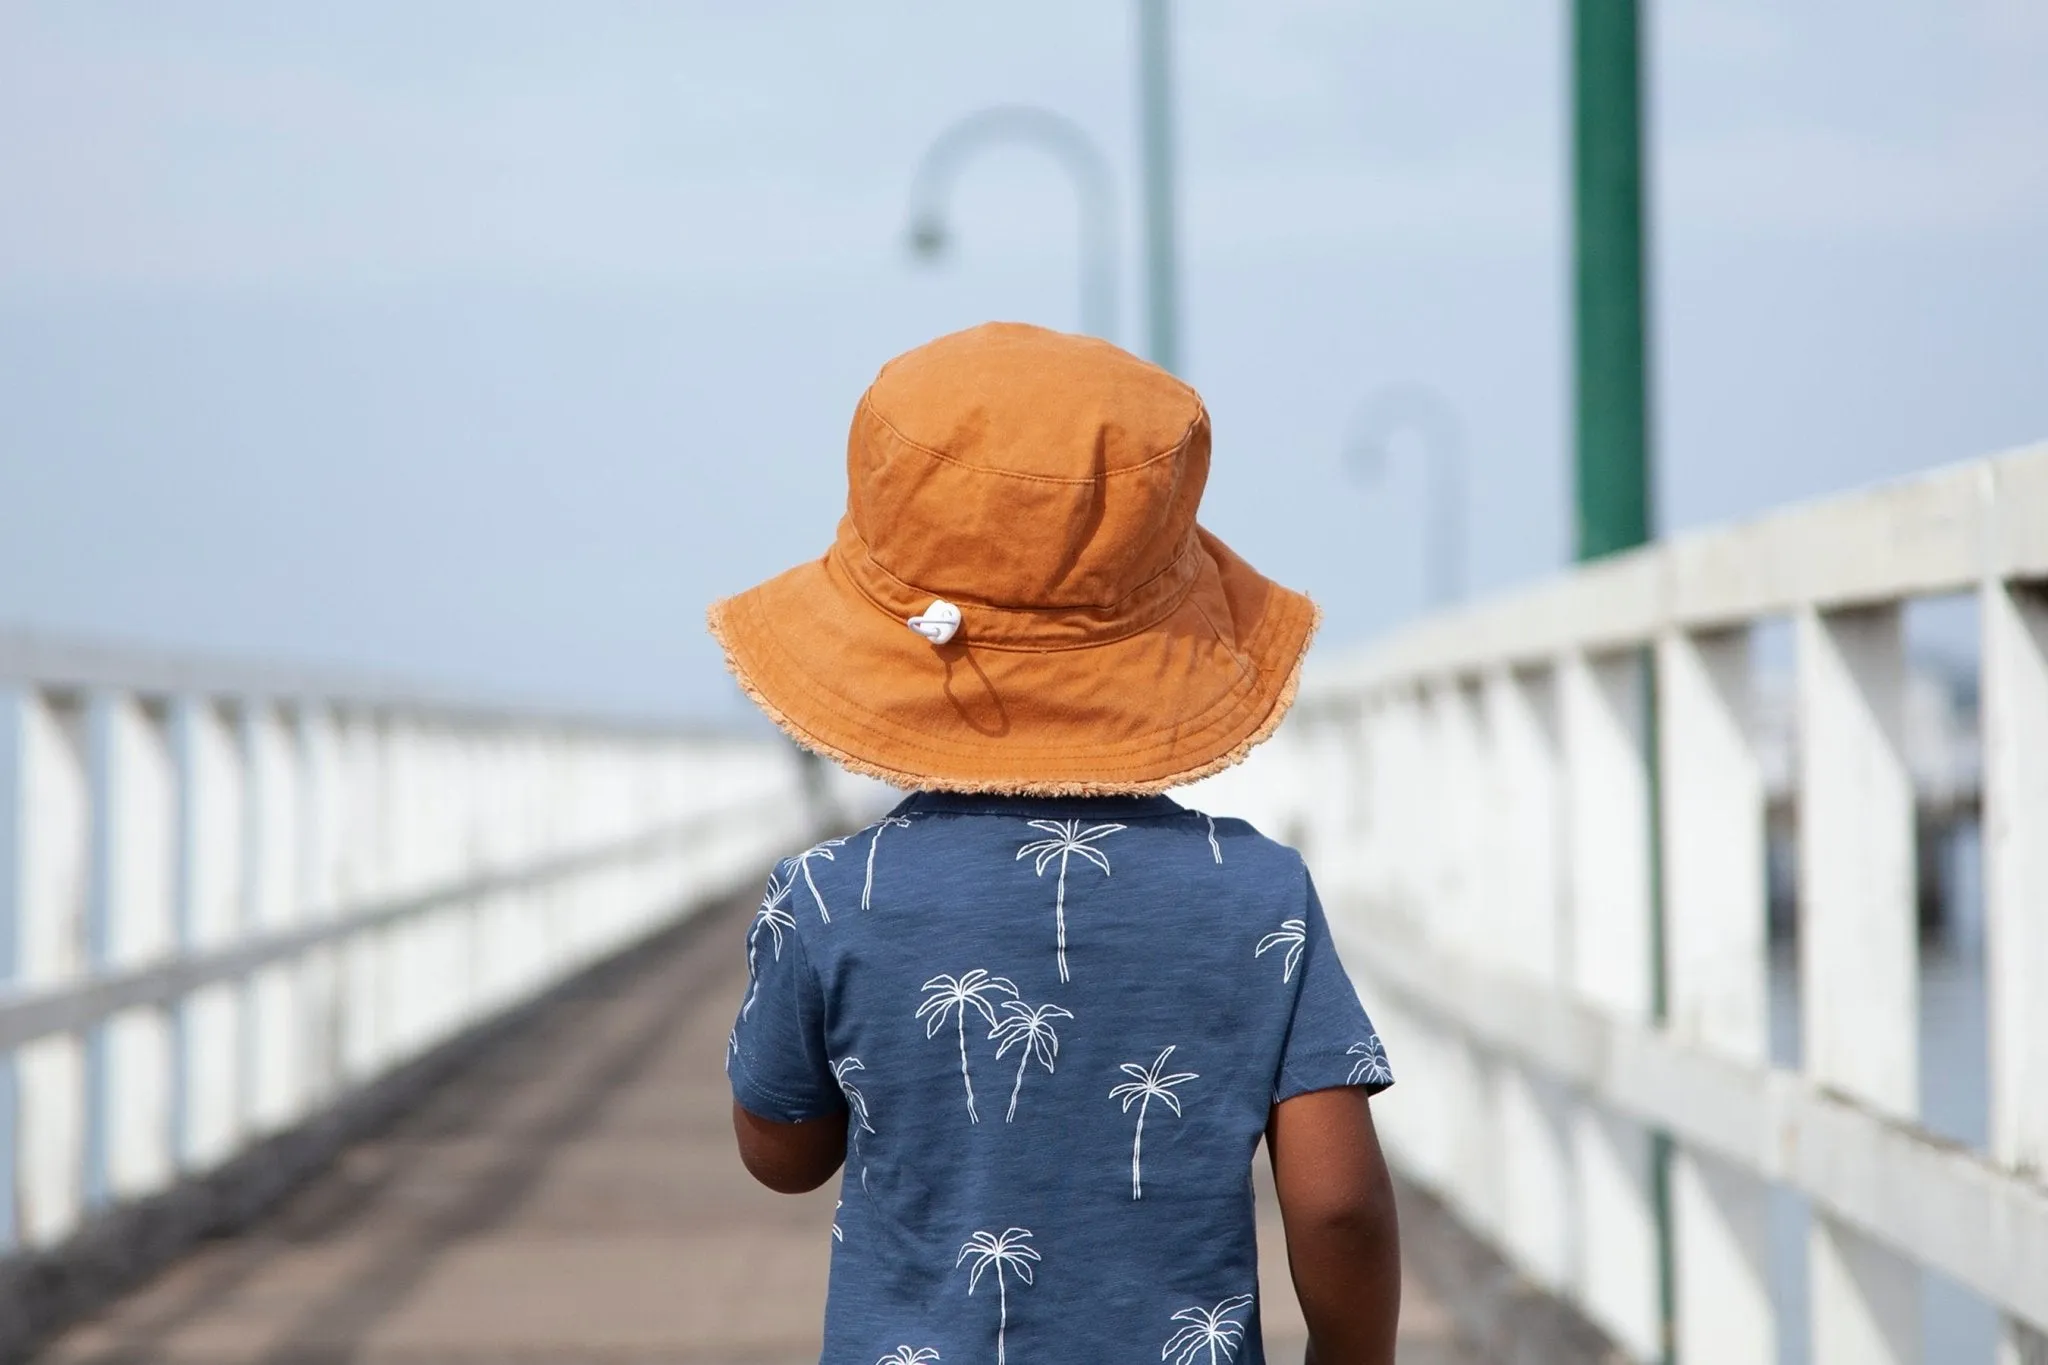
[486, 342]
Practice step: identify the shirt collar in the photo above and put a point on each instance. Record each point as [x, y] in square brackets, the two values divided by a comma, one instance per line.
[1037, 807]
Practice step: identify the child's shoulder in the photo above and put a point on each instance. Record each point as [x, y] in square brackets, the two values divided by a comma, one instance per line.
[826, 875]
[1233, 839]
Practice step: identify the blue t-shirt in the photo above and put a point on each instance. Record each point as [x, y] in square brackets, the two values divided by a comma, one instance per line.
[1057, 1028]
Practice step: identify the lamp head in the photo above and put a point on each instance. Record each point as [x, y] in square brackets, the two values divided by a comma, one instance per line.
[1366, 457]
[928, 238]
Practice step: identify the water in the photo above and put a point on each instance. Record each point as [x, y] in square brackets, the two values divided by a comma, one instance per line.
[1957, 1327]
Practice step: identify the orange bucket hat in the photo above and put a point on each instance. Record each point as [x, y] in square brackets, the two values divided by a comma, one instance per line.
[1019, 599]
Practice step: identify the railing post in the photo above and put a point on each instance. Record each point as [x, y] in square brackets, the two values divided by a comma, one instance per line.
[359, 872]
[212, 1020]
[1608, 781]
[2015, 746]
[51, 889]
[1427, 1129]
[136, 885]
[1473, 1169]
[1371, 873]
[14, 702]
[1470, 759]
[1458, 819]
[1715, 939]
[1410, 822]
[1530, 881]
[130, 921]
[1525, 894]
[318, 894]
[1859, 988]
[1444, 852]
[274, 1035]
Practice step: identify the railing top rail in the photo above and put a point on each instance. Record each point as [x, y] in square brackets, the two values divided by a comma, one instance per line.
[49, 660]
[27, 1014]
[1941, 532]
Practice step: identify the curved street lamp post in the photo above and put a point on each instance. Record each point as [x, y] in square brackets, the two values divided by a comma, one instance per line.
[1094, 190]
[1412, 408]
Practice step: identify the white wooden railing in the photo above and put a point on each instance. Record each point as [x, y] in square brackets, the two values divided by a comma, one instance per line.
[1477, 796]
[228, 898]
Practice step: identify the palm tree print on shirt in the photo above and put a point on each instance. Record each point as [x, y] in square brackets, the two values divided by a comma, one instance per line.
[802, 863]
[773, 916]
[1148, 1083]
[1031, 1032]
[1215, 1330]
[1293, 935]
[1371, 1067]
[949, 995]
[1068, 839]
[867, 887]
[1007, 1252]
[856, 1106]
[1215, 849]
[856, 1103]
[906, 1355]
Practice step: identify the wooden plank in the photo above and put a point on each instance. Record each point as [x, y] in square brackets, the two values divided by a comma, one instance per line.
[1864, 1298]
[79, 1001]
[1713, 841]
[1526, 817]
[1919, 536]
[364, 872]
[1473, 1181]
[137, 881]
[52, 876]
[1537, 1217]
[319, 881]
[272, 1084]
[68, 665]
[212, 894]
[1721, 1223]
[1618, 1230]
[2015, 727]
[1457, 817]
[1527, 931]
[1607, 784]
[1859, 962]
[1609, 830]
[1934, 533]
[2018, 493]
[2015, 625]
[1712, 810]
[13, 835]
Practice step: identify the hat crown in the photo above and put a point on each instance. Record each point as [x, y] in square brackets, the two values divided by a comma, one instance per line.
[1013, 466]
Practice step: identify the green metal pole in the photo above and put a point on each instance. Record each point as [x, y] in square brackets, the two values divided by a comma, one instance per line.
[1611, 409]
[1155, 118]
[1613, 464]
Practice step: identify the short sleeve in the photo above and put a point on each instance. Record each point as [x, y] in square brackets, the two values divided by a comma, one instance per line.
[1330, 1041]
[776, 1058]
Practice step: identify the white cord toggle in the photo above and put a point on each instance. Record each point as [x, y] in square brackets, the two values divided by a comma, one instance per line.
[939, 623]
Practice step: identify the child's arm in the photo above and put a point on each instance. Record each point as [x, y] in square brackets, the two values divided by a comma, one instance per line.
[790, 1158]
[1343, 1242]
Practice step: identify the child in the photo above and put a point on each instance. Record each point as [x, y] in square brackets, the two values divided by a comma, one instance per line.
[1040, 1012]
